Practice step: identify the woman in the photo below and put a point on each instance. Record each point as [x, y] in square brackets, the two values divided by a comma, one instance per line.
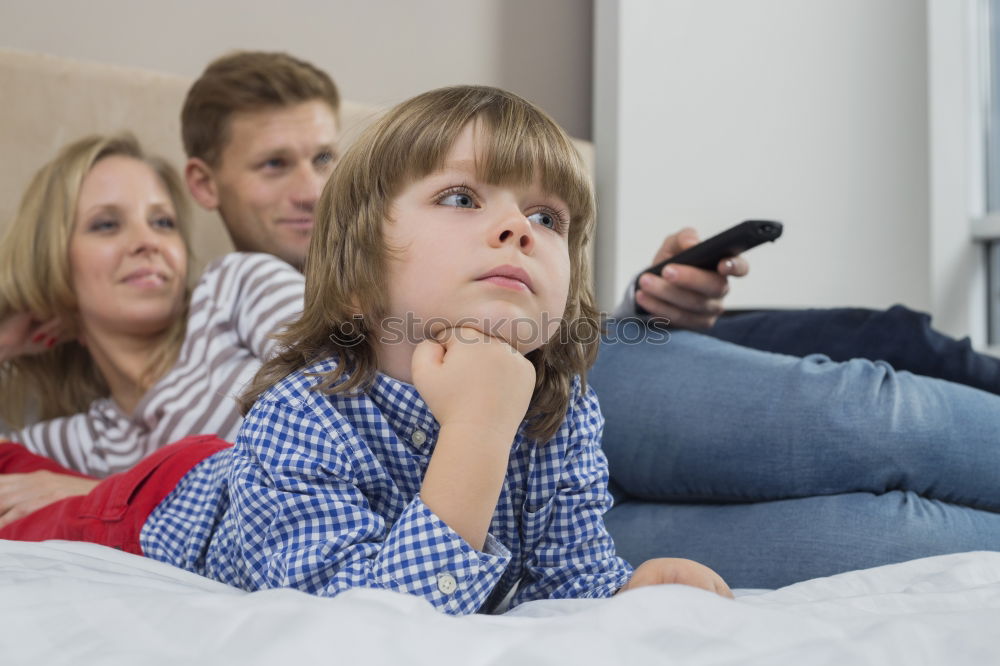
[99, 331]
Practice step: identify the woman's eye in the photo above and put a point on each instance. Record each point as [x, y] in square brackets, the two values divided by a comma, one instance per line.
[458, 200]
[103, 225]
[165, 222]
[274, 163]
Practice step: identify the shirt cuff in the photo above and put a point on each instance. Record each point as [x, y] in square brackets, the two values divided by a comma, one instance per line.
[421, 555]
[626, 308]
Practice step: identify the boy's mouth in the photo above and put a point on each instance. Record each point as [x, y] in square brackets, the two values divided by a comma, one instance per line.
[508, 276]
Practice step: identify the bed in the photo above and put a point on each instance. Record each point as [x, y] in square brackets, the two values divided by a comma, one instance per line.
[78, 603]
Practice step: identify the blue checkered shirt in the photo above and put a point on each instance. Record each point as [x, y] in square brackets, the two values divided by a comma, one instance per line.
[321, 493]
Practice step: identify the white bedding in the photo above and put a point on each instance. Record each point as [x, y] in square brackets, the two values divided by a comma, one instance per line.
[75, 603]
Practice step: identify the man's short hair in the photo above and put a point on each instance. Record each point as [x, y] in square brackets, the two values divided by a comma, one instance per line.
[247, 81]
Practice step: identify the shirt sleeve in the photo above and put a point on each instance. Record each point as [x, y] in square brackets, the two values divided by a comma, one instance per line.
[626, 308]
[576, 556]
[77, 441]
[266, 294]
[310, 517]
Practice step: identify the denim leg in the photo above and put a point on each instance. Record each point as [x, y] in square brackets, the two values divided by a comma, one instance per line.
[900, 336]
[695, 419]
[772, 544]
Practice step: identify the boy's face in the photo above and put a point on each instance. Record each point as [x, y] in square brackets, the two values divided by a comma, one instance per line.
[269, 176]
[468, 253]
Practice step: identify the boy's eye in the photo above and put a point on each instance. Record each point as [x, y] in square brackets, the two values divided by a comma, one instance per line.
[458, 200]
[549, 219]
[545, 219]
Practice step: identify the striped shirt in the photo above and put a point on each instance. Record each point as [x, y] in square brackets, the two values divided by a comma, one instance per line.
[321, 493]
[238, 302]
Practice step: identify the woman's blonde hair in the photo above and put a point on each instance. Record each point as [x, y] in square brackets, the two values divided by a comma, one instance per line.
[35, 277]
[346, 270]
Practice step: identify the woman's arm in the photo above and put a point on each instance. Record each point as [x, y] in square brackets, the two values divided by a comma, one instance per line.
[21, 494]
[21, 334]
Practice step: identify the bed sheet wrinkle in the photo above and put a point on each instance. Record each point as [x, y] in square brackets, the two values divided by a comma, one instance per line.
[77, 603]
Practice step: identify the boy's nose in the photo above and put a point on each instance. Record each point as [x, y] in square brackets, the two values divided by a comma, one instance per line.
[514, 229]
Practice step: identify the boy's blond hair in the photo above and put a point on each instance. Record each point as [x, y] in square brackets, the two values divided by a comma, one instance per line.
[346, 272]
[35, 277]
[247, 81]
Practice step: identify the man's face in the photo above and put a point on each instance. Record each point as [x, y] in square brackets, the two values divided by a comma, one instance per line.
[270, 174]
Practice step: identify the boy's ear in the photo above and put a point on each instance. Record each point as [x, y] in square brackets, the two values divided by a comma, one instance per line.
[201, 183]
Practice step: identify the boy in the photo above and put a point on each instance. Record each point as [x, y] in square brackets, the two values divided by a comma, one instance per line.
[460, 461]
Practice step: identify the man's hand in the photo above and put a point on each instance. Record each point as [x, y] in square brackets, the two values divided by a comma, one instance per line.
[469, 377]
[689, 297]
[21, 334]
[21, 494]
[672, 570]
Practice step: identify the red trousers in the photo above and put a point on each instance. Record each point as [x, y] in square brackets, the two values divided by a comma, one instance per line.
[114, 512]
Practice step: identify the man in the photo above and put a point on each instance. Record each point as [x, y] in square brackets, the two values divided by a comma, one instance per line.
[260, 130]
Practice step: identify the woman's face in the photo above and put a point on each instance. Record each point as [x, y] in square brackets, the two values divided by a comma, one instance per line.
[127, 258]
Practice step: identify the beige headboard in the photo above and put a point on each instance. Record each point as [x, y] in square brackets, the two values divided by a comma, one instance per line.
[50, 101]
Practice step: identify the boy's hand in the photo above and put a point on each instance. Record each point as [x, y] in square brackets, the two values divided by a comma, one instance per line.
[468, 377]
[478, 388]
[689, 297]
[668, 570]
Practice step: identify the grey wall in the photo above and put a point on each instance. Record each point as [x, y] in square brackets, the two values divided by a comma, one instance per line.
[379, 51]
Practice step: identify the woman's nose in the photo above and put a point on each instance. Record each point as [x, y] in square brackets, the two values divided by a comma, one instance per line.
[144, 239]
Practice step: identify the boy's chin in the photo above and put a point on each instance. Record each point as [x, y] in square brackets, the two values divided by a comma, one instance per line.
[521, 331]
[523, 339]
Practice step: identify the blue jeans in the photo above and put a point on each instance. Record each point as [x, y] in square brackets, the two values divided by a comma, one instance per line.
[772, 468]
[899, 336]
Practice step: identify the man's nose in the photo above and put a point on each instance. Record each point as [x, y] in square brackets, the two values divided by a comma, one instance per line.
[307, 187]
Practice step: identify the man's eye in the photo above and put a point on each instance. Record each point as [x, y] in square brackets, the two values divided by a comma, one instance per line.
[324, 159]
[458, 200]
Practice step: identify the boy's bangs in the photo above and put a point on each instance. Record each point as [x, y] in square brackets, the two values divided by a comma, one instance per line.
[518, 155]
[513, 150]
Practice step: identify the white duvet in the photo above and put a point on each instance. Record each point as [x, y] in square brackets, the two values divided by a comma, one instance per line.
[74, 603]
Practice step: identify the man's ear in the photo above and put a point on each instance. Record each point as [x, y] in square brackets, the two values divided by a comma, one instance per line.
[201, 183]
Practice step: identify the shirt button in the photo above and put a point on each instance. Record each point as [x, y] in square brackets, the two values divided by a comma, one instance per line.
[446, 583]
[418, 437]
